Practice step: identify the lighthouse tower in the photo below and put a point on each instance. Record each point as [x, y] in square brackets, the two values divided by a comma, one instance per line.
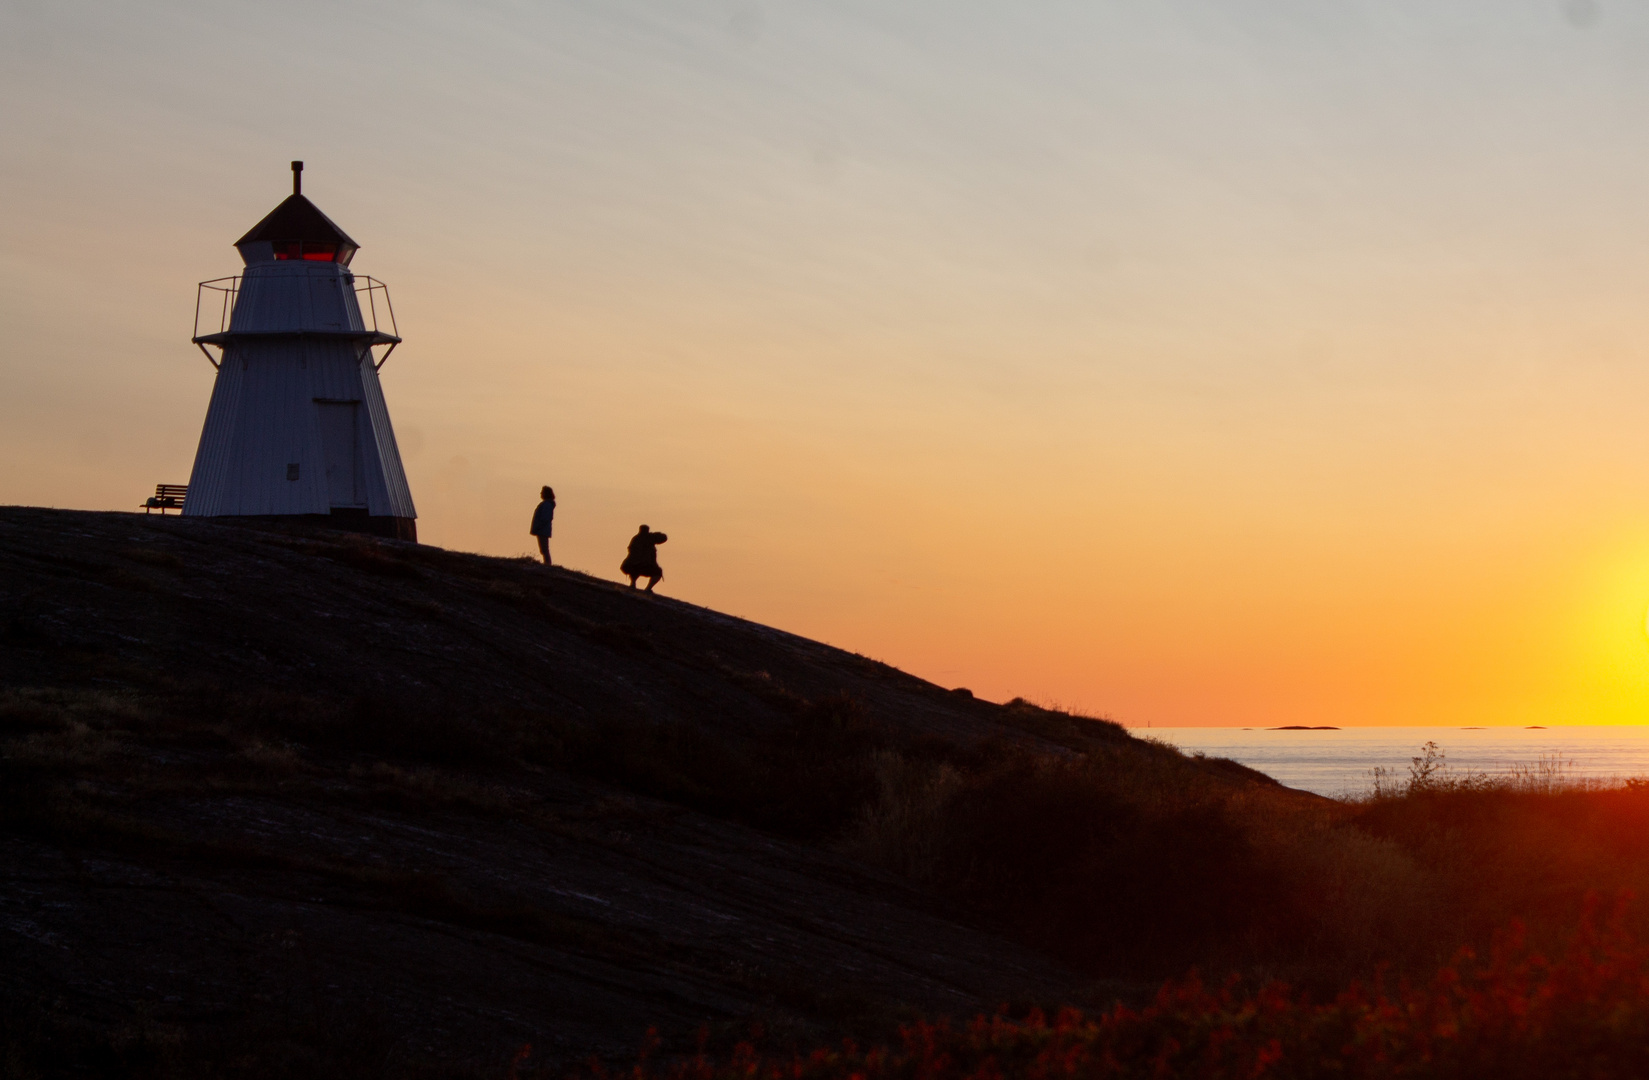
[297, 429]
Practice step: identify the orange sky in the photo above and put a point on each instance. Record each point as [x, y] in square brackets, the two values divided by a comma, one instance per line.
[1182, 366]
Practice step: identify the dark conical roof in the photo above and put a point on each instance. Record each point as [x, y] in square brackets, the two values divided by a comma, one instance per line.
[296, 218]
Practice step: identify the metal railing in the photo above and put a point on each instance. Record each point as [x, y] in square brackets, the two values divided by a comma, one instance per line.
[220, 295]
[376, 293]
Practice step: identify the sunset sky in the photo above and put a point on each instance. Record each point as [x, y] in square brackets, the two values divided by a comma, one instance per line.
[1279, 362]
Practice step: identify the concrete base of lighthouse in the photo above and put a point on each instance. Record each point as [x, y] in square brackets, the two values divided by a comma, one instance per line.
[342, 520]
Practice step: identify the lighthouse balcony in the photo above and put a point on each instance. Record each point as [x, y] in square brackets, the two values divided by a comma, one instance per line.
[295, 299]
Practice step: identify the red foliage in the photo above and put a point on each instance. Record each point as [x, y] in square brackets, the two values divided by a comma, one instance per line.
[1512, 1014]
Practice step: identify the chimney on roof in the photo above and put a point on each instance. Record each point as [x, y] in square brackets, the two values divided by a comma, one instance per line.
[297, 178]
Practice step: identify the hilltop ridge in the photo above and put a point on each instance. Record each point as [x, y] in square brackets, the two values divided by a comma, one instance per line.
[326, 614]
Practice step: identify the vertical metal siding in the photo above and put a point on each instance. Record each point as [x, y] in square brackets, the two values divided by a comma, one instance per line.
[295, 295]
[209, 480]
[389, 481]
[263, 417]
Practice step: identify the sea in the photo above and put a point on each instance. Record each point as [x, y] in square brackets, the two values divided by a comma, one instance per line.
[1339, 762]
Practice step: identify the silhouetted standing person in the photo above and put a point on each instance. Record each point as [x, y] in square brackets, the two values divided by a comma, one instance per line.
[542, 519]
[642, 561]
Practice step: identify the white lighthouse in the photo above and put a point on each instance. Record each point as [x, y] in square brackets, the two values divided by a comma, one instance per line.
[297, 428]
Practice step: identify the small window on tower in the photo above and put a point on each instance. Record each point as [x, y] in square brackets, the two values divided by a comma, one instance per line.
[307, 251]
[292, 472]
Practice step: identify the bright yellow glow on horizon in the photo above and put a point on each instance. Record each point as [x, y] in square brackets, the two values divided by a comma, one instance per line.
[1182, 364]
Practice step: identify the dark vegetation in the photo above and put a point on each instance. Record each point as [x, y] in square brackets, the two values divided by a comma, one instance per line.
[275, 804]
[1515, 1014]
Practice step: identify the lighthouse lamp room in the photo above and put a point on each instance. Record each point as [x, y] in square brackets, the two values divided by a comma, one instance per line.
[297, 429]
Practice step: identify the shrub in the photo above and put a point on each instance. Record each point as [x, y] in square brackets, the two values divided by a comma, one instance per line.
[1198, 868]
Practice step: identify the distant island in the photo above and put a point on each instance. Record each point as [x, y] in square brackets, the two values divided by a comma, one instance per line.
[1303, 727]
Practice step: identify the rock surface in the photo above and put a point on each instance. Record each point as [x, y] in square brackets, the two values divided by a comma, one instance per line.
[176, 880]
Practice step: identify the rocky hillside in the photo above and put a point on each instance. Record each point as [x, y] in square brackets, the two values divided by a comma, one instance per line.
[282, 803]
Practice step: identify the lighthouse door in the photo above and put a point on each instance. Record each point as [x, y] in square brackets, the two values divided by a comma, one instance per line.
[340, 441]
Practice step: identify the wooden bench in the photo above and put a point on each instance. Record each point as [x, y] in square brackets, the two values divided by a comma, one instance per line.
[166, 497]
